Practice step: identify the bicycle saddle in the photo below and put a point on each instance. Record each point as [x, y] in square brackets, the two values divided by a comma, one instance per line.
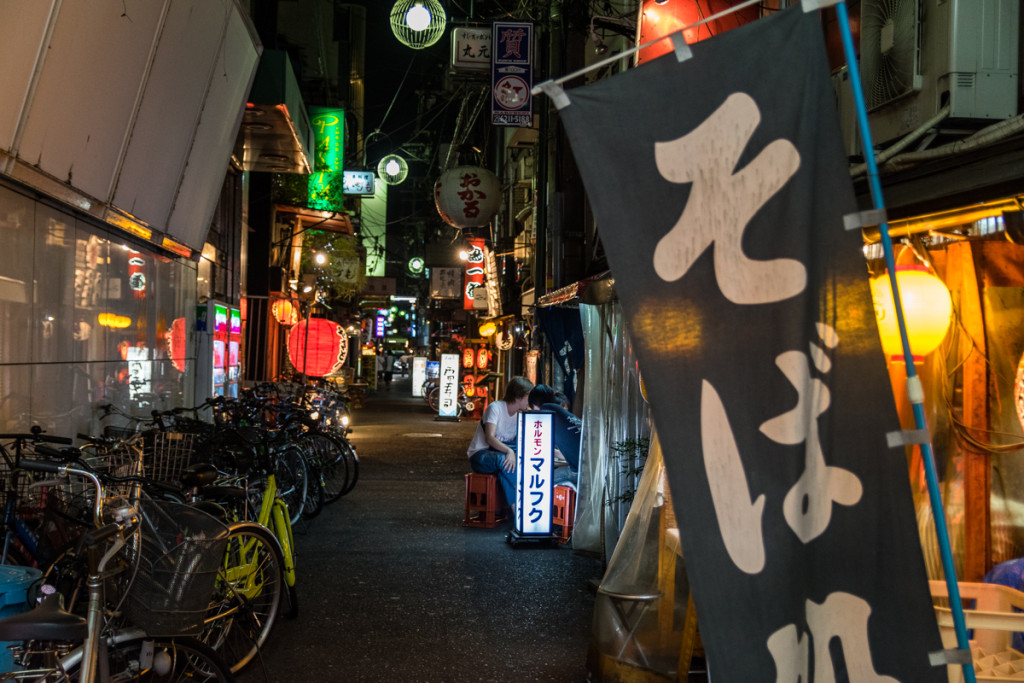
[48, 621]
[199, 474]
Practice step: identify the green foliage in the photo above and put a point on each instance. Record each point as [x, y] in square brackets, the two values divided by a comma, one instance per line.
[631, 455]
[344, 274]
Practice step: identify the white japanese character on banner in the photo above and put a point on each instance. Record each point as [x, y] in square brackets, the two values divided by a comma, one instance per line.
[722, 202]
[808, 505]
[842, 616]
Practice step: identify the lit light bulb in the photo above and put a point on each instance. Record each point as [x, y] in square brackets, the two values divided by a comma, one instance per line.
[463, 255]
[392, 166]
[320, 259]
[417, 18]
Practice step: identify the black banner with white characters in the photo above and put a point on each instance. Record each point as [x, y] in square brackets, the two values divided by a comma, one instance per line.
[719, 185]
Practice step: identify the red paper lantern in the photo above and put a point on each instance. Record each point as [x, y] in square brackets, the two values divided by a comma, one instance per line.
[483, 357]
[467, 357]
[467, 196]
[319, 352]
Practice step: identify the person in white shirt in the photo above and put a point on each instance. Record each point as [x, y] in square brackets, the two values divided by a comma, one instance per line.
[492, 450]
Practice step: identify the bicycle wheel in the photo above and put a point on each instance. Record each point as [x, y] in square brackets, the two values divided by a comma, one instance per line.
[434, 398]
[248, 595]
[352, 458]
[292, 479]
[327, 451]
[157, 660]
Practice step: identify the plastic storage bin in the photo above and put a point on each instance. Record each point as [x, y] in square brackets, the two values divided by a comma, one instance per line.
[993, 613]
[14, 585]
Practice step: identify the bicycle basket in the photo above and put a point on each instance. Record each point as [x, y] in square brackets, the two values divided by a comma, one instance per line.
[182, 549]
[171, 452]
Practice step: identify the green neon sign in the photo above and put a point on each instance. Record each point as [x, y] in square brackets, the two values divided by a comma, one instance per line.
[326, 185]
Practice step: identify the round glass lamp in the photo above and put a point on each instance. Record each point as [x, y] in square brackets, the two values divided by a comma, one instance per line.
[392, 169]
[927, 311]
[418, 23]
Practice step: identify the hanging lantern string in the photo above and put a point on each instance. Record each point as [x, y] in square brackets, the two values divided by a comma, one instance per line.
[914, 390]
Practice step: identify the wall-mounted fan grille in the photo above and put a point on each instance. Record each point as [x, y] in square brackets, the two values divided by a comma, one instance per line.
[890, 50]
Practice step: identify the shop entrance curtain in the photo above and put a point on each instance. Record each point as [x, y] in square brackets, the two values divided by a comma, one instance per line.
[719, 186]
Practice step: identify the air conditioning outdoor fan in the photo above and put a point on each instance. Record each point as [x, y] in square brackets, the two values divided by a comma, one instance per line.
[890, 53]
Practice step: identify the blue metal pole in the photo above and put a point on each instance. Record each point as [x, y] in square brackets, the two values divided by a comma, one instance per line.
[914, 389]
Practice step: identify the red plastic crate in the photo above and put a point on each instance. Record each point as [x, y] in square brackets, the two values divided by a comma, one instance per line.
[485, 503]
[563, 512]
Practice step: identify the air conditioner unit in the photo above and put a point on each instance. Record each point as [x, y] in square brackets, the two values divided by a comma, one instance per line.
[917, 56]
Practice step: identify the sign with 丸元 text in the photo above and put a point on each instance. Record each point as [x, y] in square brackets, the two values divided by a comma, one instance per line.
[511, 73]
[534, 452]
[471, 49]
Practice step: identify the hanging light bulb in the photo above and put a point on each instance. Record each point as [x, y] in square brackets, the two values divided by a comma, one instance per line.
[417, 18]
[418, 23]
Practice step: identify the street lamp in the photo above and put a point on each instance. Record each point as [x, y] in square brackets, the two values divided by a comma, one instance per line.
[392, 169]
[418, 23]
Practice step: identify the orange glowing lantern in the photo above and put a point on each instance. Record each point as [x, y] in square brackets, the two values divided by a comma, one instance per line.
[483, 357]
[927, 309]
[469, 385]
[660, 19]
[285, 312]
[468, 356]
[177, 342]
[317, 347]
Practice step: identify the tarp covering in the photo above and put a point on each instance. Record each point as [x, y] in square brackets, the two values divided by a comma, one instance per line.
[614, 412]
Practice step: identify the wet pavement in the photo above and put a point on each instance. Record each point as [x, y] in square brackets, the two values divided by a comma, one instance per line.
[392, 587]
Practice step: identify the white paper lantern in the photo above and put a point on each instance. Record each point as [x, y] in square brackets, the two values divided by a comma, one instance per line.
[467, 196]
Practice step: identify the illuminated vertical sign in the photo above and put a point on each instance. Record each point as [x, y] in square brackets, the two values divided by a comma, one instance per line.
[326, 185]
[447, 406]
[511, 73]
[378, 328]
[474, 272]
[419, 375]
[533, 473]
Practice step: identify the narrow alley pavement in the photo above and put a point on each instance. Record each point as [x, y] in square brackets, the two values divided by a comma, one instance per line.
[392, 587]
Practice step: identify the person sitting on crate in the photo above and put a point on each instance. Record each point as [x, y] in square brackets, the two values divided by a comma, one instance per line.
[492, 450]
[567, 432]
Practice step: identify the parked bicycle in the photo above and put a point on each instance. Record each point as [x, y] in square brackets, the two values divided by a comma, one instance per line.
[175, 553]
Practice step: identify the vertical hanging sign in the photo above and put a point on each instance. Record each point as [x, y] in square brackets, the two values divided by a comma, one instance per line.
[475, 262]
[511, 73]
[447, 406]
[326, 185]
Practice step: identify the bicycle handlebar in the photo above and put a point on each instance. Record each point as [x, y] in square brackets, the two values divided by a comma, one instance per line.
[63, 470]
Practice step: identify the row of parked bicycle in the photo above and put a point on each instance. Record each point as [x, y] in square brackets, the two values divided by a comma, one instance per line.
[166, 545]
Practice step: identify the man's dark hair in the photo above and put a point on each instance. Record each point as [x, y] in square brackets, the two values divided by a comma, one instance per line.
[541, 394]
[517, 388]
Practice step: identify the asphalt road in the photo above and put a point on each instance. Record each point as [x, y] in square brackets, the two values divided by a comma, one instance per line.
[392, 587]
